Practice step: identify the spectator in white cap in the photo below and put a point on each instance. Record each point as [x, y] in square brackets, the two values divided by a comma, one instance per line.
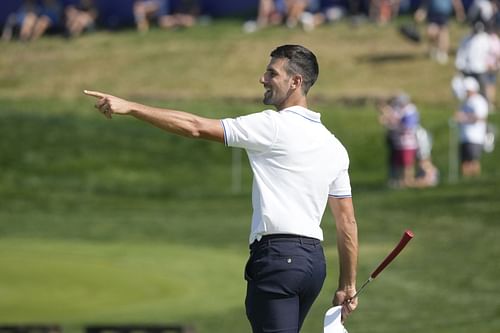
[473, 53]
[471, 119]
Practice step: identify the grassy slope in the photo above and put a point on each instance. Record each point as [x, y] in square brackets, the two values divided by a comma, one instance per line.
[115, 222]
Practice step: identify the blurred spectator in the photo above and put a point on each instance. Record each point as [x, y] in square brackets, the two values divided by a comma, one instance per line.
[493, 63]
[33, 20]
[21, 21]
[482, 11]
[334, 10]
[388, 119]
[328, 12]
[182, 17]
[146, 11]
[290, 12]
[270, 12]
[427, 174]
[50, 16]
[438, 13]
[472, 55]
[297, 11]
[383, 11]
[80, 17]
[401, 119]
[471, 119]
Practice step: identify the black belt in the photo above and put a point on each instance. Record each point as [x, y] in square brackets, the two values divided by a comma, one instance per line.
[285, 238]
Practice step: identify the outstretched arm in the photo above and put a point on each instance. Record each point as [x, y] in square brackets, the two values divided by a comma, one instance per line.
[347, 244]
[177, 122]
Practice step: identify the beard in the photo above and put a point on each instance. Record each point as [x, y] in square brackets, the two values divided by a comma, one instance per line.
[271, 98]
[268, 98]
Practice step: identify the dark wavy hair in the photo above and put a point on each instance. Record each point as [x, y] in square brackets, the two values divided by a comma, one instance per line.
[300, 61]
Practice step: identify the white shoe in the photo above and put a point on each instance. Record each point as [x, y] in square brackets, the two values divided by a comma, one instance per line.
[307, 21]
[442, 57]
[249, 27]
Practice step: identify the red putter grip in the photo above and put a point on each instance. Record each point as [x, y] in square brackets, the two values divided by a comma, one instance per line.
[407, 236]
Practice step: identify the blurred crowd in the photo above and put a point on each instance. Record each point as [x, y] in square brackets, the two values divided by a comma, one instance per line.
[310, 14]
[477, 62]
[35, 18]
[74, 17]
[409, 143]
[477, 59]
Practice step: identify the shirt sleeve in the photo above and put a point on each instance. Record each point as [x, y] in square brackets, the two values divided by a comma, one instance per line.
[256, 131]
[341, 186]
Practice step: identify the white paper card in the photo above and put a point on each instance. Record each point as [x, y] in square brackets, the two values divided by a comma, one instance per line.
[333, 323]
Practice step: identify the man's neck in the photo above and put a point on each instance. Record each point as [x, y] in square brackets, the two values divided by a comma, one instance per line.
[302, 101]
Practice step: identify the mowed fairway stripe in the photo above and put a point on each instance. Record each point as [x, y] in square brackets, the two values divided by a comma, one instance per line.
[45, 280]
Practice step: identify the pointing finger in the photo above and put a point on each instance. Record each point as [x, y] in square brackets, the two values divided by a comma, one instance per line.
[94, 93]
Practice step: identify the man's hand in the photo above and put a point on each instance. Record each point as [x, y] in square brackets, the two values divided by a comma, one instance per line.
[109, 104]
[344, 298]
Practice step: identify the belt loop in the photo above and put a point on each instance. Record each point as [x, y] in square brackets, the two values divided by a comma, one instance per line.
[301, 242]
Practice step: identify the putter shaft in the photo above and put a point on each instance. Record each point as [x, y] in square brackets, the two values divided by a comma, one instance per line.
[362, 287]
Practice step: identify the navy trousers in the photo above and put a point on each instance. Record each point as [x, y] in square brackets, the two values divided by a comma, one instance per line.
[284, 276]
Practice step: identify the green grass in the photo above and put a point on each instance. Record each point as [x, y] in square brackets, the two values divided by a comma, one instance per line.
[117, 222]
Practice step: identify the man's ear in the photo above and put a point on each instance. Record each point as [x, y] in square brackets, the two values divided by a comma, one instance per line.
[296, 81]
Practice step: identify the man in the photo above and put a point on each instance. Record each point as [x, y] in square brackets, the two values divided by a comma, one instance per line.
[401, 119]
[473, 55]
[471, 119]
[405, 139]
[299, 167]
[438, 13]
[481, 11]
[147, 10]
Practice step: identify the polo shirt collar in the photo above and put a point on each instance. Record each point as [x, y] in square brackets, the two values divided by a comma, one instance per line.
[303, 112]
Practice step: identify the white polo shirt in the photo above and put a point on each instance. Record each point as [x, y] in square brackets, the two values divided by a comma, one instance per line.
[297, 163]
[475, 132]
[472, 55]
